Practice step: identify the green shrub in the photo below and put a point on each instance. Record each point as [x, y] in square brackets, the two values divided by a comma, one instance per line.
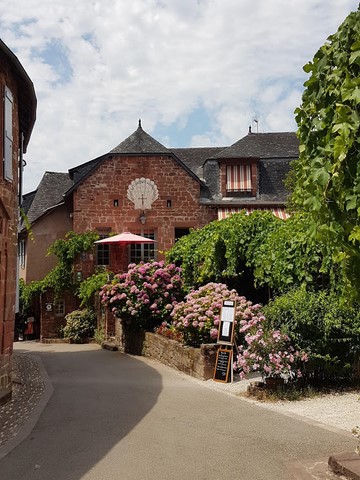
[325, 328]
[99, 334]
[80, 325]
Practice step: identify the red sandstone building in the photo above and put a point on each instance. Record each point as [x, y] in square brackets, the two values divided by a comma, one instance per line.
[17, 117]
[145, 188]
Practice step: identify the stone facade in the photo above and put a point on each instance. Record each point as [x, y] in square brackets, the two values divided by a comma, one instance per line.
[8, 251]
[17, 116]
[53, 313]
[100, 202]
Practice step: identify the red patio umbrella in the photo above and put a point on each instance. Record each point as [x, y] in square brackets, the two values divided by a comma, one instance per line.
[125, 238]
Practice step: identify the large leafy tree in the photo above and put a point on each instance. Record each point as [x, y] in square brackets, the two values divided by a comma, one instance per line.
[327, 174]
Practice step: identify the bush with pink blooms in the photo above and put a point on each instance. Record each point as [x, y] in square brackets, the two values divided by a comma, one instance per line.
[144, 296]
[198, 317]
[268, 352]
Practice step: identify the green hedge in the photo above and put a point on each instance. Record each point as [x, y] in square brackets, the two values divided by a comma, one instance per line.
[319, 323]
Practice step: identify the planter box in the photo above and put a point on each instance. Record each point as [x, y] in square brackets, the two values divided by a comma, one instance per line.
[197, 362]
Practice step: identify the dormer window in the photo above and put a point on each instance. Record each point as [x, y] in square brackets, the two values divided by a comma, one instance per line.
[238, 178]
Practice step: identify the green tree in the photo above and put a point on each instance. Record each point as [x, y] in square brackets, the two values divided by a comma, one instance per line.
[327, 174]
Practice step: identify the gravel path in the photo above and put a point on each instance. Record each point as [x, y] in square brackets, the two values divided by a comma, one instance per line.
[337, 410]
[340, 410]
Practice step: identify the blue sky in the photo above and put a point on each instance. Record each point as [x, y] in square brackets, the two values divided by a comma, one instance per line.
[197, 72]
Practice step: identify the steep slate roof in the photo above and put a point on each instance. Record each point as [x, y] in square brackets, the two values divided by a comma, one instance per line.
[27, 200]
[194, 158]
[140, 142]
[82, 171]
[49, 193]
[263, 145]
[270, 148]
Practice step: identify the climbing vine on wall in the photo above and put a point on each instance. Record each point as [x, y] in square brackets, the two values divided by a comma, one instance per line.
[280, 254]
[61, 277]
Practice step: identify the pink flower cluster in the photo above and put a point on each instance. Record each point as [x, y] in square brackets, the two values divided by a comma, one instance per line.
[268, 352]
[147, 291]
[198, 317]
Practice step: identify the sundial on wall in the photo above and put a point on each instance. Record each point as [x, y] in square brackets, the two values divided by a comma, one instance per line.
[142, 192]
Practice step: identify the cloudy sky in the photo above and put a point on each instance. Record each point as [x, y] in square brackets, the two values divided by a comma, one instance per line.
[197, 72]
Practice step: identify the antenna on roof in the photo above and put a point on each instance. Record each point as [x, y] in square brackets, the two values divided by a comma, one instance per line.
[257, 124]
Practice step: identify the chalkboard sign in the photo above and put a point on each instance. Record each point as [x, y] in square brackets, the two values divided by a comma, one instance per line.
[227, 319]
[222, 372]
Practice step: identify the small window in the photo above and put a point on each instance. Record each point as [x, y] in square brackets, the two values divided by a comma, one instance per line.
[21, 253]
[59, 308]
[181, 232]
[103, 251]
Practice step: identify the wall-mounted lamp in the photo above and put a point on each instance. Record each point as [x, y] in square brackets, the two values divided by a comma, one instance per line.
[142, 217]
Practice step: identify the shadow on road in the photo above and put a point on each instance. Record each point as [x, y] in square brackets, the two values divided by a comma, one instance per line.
[99, 397]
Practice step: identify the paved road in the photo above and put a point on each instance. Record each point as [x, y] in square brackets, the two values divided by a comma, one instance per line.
[113, 416]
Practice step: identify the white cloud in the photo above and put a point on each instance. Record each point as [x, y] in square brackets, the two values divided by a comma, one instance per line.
[160, 60]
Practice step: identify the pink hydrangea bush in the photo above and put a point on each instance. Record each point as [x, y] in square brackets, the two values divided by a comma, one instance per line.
[268, 352]
[144, 296]
[198, 317]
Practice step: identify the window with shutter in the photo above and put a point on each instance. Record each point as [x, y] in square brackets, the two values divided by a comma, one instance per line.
[8, 134]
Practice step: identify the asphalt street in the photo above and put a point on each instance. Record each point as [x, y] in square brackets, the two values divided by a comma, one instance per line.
[115, 416]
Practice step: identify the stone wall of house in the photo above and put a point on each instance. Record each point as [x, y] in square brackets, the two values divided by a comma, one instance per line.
[8, 236]
[101, 201]
[46, 231]
[50, 320]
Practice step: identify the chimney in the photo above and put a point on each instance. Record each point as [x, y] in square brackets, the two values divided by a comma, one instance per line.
[249, 128]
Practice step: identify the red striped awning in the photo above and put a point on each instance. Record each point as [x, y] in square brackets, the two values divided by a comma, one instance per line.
[238, 178]
[224, 212]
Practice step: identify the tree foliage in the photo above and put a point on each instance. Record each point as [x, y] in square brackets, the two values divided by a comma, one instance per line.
[327, 174]
[221, 249]
[279, 254]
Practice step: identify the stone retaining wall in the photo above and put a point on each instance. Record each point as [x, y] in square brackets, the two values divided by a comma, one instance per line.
[197, 362]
